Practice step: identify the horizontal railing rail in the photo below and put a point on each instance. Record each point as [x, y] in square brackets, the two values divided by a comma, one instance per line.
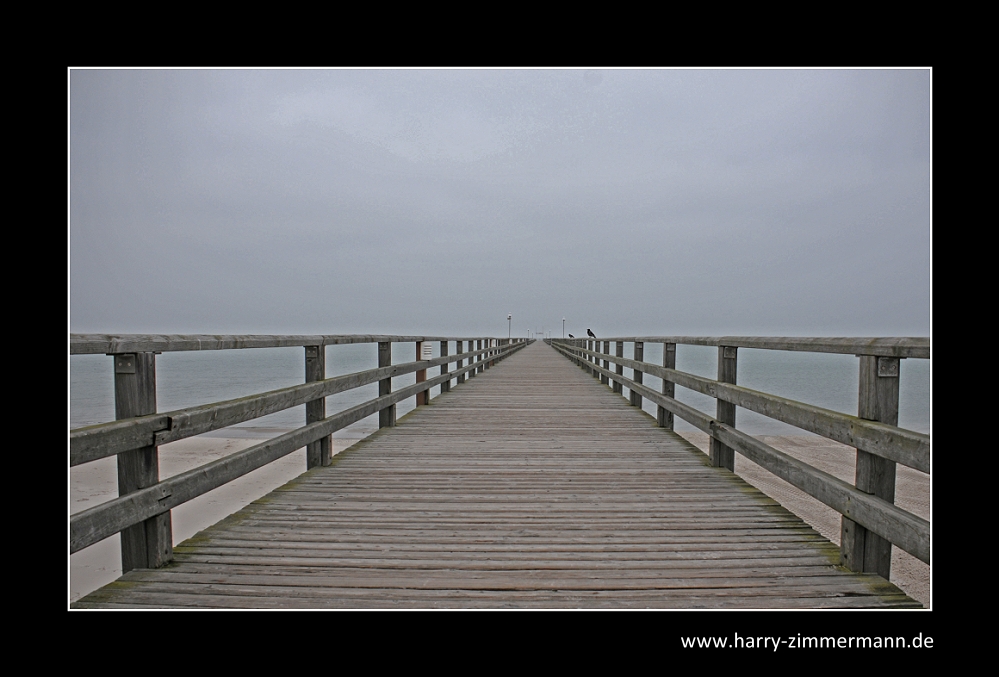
[89, 443]
[869, 513]
[142, 513]
[909, 346]
[903, 446]
[110, 344]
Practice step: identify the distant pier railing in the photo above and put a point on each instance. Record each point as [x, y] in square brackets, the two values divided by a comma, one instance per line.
[141, 513]
[871, 522]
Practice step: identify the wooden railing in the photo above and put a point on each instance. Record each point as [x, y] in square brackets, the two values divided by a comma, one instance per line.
[871, 521]
[141, 513]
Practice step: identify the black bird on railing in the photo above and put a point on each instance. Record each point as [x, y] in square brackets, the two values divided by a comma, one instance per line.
[590, 334]
[571, 336]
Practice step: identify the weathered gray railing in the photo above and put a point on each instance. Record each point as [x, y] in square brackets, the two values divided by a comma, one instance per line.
[141, 513]
[871, 520]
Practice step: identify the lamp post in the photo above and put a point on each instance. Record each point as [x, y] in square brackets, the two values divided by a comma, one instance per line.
[509, 325]
[563, 327]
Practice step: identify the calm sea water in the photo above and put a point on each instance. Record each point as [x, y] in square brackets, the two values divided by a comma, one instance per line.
[185, 379]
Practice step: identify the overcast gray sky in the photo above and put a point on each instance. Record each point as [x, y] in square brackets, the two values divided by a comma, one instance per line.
[680, 202]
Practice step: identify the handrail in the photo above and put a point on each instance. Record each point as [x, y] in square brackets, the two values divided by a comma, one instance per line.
[110, 344]
[867, 507]
[143, 506]
[908, 346]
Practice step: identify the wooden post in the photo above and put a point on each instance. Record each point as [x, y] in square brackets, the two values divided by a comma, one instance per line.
[722, 456]
[149, 544]
[317, 453]
[663, 415]
[860, 549]
[386, 417]
[458, 348]
[619, 352]
[603, 377]
[446, 386]
[636, 399]
[421, 376]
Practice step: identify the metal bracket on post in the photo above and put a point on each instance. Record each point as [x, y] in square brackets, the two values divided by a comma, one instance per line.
[860, 549]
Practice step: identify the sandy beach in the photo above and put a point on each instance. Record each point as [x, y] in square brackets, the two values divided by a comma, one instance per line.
[96, 482]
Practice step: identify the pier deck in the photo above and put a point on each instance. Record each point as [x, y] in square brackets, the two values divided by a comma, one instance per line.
[529, 486]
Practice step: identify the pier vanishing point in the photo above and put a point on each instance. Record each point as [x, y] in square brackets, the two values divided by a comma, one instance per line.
[533, 480]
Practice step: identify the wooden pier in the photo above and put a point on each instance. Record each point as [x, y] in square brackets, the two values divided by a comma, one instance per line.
[533, 485]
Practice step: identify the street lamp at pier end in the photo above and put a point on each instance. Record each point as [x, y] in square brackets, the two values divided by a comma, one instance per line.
[563, 327]
[509, 325]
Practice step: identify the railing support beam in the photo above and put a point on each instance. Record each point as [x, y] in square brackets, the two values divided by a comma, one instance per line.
[318, 453]
[386, 417]
[619, 352]
[663, 415]
[446, 385]
[422, 398]
[636, 399]
[721, 455]
[860, 549]
[149, 544]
